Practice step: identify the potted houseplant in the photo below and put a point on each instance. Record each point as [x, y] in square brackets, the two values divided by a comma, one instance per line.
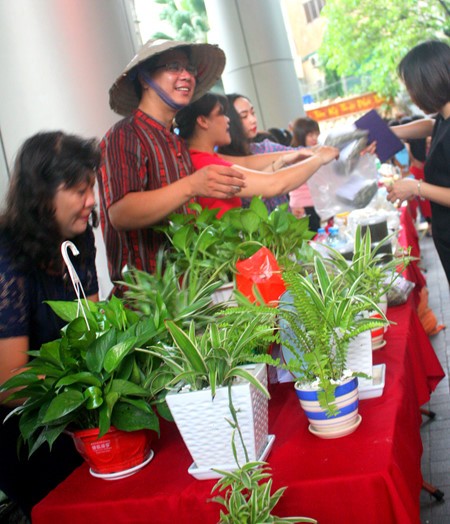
[172, 293]
[319, 316]
[207, 378]
[214, 245]
[247, 495]
[374, 272]
[89, 383]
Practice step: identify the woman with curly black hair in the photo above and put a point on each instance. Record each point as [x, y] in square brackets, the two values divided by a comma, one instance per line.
[50, 200]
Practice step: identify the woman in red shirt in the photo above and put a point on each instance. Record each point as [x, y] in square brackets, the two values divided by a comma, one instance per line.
[205, 126]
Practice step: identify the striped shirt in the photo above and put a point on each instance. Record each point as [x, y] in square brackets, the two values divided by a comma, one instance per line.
[138, 154]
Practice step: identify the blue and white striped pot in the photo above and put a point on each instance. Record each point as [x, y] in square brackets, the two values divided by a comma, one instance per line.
[346, 401]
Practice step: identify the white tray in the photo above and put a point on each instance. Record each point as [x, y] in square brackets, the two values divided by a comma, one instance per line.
[378, 379]
[122, 474]
[208, 473]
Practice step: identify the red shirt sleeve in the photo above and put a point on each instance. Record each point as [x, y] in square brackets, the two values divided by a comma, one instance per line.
[202, 159]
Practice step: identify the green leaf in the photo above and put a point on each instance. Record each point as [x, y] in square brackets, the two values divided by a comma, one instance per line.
[68, 311]
[117, 353]
[93, 396]
[186, 346]
[250, 221]
[125, 388]
[65, 403]
[84, 377]
[98, 349]
[22, 379]
[258, 206]
[130, 417]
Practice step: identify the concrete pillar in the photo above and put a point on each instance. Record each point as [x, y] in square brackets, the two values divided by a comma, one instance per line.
[58, 59]
[260, 64]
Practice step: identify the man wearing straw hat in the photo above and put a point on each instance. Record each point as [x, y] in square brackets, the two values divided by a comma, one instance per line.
[146, 171]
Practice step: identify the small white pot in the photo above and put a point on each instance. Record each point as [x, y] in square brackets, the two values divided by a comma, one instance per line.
[202, 421]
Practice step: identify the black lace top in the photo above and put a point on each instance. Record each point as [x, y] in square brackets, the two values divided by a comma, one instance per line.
[22, 311]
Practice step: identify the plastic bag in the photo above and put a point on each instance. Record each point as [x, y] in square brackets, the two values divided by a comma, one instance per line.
[260, 270]
[347, 183]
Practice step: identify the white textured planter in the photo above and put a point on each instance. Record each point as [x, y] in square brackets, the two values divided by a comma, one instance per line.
[202, 421]
[223, 294]
[360, 357]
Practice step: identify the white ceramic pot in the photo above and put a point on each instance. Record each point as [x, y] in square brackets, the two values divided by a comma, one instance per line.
[202, 421]
[360, 356]
[223, 294]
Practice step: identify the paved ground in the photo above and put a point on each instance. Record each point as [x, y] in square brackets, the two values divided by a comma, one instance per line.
[436, 432]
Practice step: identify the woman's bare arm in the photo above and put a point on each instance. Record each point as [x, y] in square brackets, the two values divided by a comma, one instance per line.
[281, 182]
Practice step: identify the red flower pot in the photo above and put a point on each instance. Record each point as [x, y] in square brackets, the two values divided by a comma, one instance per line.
[115, 451]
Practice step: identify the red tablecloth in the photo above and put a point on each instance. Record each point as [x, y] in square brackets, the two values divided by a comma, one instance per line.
[408, 238]
[371, 476]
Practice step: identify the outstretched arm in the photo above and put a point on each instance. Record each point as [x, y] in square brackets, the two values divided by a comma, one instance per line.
[408, 187]
[281, 182]
[416, 129]
[270, 162]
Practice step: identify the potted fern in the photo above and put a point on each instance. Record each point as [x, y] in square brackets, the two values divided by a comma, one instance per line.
[319, 316]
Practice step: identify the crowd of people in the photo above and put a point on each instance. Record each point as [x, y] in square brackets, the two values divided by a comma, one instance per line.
[146, 171]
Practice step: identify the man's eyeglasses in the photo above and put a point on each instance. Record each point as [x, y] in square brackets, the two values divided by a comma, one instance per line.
[177, 67]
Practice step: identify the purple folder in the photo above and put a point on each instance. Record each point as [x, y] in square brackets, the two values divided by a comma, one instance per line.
[388, 144]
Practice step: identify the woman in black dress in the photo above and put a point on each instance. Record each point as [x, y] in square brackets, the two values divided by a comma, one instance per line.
[50, 200]
[425, 71]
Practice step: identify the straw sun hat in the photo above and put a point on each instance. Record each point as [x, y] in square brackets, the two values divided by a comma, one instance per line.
[208, 59]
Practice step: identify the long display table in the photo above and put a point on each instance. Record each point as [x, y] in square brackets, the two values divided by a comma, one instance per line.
[371, 476]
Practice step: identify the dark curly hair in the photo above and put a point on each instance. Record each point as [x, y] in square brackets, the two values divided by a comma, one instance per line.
[45, 161]
[425, 71]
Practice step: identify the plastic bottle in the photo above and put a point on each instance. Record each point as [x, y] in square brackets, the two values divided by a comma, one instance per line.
[334, 239]
[322, 236]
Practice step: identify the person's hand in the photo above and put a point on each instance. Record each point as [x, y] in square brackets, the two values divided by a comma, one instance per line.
[370, 149]
[298, 212]
[401, 190]
[216, 181]
[327, 153]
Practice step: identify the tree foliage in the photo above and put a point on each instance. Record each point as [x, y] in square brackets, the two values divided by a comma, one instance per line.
[188, 19]
[369, 37]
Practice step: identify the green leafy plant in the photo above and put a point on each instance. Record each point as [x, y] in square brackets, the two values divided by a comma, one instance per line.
[213, 358]
[248, 496]
[171, 294]
[370, 267]
[203, 243]
[323, 315]
[280, 231]
[88, 378]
